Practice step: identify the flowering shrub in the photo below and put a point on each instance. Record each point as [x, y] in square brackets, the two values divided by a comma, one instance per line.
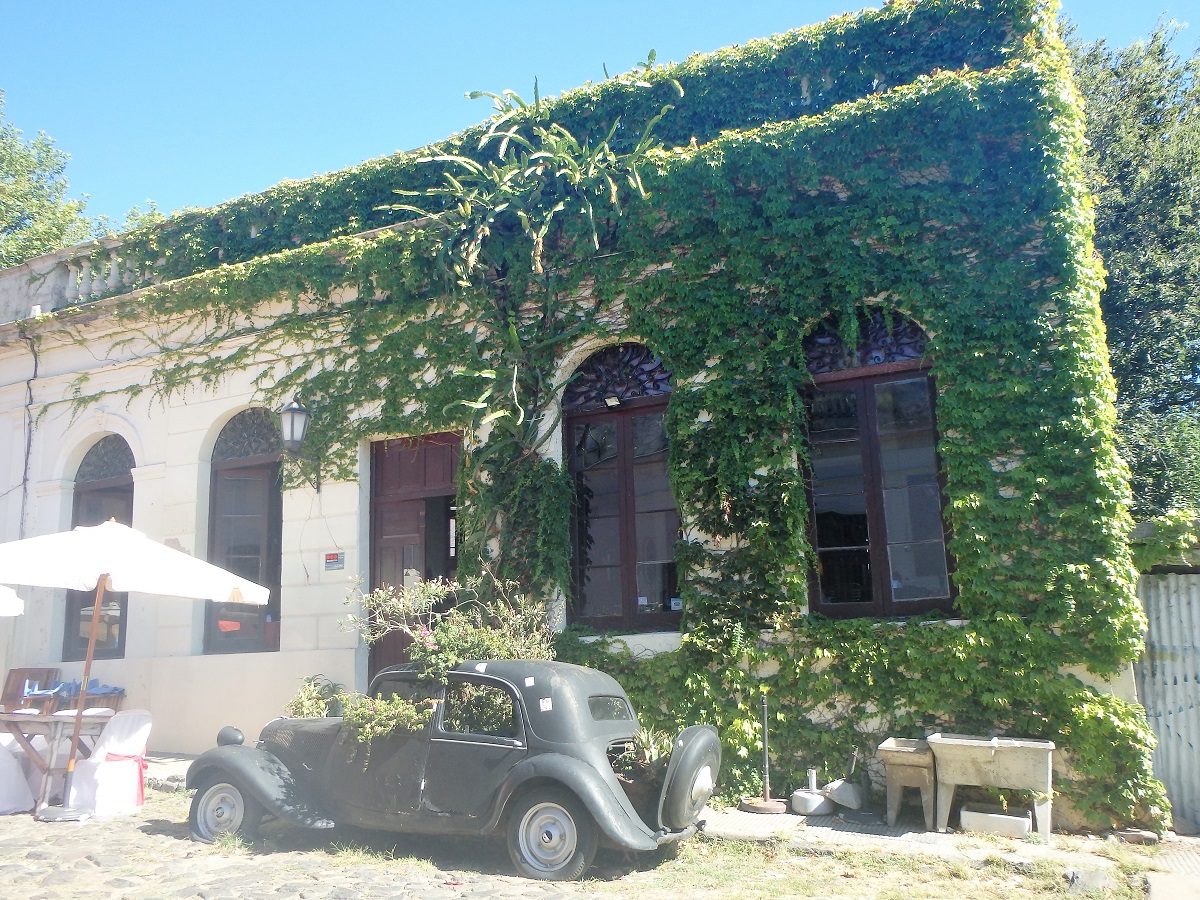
[451, 621]
[446, 622]
[373, 717]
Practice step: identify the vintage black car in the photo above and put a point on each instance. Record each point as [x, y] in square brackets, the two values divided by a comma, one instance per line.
[526, 747]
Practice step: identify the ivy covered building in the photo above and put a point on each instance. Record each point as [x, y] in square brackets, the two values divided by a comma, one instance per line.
[784, 361]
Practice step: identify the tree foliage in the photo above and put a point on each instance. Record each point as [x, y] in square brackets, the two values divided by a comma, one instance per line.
[36, 216]
[1143, 162]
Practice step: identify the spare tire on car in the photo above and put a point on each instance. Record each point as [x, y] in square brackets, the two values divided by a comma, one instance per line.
[691, 776]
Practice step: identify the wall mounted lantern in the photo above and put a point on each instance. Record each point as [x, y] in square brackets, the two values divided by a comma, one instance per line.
[293, 423]
[293, 426]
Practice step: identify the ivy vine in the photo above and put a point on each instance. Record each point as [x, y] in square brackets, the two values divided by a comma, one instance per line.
[923, 159]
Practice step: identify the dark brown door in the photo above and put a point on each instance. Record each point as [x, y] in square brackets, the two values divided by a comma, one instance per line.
[413, 535]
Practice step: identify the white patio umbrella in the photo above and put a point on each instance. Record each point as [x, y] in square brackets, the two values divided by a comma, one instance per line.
[113, 557]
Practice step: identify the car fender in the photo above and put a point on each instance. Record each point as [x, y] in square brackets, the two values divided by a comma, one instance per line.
[265, 778]
[607, 804]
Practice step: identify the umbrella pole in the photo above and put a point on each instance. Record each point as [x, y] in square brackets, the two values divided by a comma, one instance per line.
[66, 813]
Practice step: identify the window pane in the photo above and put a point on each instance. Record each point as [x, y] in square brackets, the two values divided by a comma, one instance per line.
[649, 435]
[903, 406]
[656, 587]
[913, 514]
[657, 533]
[243, 496]
[919, 571]
[907, 459]
[595, 442]
[837, 468]
[841, 520]
[243, 622]
[79, 624]
[610, 709]
[480, 709]
[845, 576]
[600, 593]
[603, 547]
[416, 691]
[833, 416]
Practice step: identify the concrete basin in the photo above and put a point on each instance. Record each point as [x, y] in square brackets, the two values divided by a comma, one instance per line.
[1003, 762]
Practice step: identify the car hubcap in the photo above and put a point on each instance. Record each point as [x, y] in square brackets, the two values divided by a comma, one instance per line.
[702, 787]
[548, 836]
[222, 810]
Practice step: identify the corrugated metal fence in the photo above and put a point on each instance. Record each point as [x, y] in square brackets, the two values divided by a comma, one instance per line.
[1168, 676]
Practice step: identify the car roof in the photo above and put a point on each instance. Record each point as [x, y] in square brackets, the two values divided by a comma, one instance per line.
[555, 695]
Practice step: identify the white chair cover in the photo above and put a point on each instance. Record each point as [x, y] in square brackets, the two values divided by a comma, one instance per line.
[15, 796]
[112, 780]
[33, 775]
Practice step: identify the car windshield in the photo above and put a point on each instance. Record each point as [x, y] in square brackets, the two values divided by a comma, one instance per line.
[610, 709]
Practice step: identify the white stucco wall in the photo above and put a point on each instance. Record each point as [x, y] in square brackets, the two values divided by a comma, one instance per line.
[165, 670]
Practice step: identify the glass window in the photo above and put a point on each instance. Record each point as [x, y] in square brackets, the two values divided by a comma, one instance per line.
[246, 530]
[480, 709]
[610, 709]
[626, 522]
[876, 498]
[103, 491]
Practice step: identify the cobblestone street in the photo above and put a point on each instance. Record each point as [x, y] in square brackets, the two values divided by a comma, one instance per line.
[152, 856]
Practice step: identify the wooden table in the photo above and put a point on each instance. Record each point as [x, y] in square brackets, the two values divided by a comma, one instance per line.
[55, 728]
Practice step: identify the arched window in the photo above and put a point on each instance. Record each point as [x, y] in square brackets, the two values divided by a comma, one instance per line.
[103, 491]
[246, 530]
[874, 478]
[626, 523]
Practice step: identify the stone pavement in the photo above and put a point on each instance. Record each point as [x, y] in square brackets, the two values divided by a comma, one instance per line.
[151, 856]
[1084, 866]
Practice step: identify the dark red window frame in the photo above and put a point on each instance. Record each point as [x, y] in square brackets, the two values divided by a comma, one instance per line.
[115, 496]
[629, 619]
[242, 627]
[881, 602]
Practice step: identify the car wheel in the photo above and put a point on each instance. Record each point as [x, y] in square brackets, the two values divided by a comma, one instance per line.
[691, 776]
[223, 807]
[551, 837]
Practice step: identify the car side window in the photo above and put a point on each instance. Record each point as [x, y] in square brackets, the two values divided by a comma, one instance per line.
[480, 709]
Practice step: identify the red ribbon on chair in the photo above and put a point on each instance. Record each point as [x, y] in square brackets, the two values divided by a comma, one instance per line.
[142, 766]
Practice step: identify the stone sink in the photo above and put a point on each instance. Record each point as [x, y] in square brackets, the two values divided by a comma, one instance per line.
[1002, 762]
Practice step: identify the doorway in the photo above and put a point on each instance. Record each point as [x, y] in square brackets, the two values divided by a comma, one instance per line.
[413, 520]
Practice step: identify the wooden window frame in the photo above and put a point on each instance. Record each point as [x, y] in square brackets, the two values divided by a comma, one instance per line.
[882, 605]
[267, 637]
[629, 620]
[78, 600]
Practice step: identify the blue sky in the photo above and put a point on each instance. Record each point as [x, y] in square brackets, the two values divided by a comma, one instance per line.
[194, 103]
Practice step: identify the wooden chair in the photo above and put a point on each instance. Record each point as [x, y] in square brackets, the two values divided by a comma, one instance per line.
[14, 686]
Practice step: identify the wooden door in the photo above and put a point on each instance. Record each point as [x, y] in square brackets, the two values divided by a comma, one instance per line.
[413, 483]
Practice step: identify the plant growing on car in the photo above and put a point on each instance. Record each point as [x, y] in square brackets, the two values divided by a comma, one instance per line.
[373, 717]
[450, 621]
[646, 757]
[318, 696]
[446, 623]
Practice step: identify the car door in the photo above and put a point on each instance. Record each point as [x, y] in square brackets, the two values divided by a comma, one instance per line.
[479, 736]
[379, 786]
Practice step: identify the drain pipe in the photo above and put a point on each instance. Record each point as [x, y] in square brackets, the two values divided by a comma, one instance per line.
[33, 351]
